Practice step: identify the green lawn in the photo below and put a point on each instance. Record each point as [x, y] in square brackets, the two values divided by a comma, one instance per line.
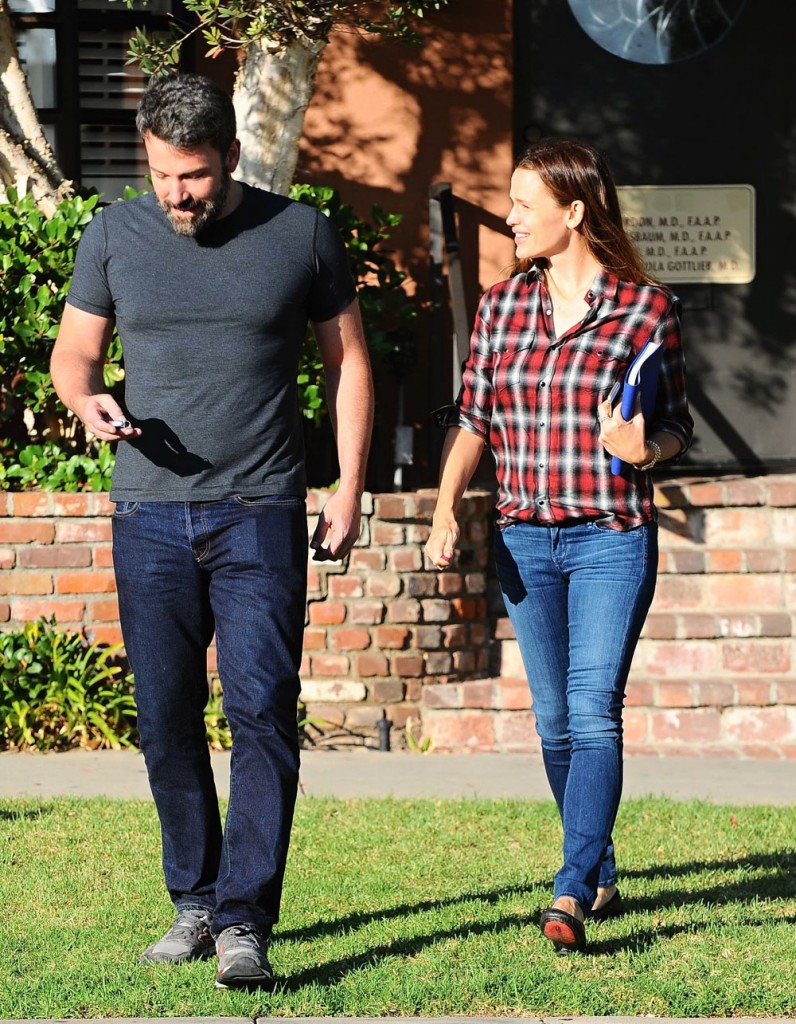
[411, 907]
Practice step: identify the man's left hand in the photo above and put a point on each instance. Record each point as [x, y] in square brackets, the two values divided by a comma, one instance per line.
[338, 527]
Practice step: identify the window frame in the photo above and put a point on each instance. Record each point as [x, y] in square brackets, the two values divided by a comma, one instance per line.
[70, 113]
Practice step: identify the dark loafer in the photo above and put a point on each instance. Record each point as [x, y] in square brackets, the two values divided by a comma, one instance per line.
[565, 931]
[613, 908]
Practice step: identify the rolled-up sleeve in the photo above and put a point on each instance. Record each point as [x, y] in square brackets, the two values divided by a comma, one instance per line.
[476, 395]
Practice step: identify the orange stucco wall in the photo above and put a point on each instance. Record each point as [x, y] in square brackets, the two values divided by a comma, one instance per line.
[386, 121]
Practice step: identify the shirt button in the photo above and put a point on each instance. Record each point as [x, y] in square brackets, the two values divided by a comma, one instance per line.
[589, 295]
[541, 465]
[541, 501]
[542, 423]
[548, 311]
[542, 383]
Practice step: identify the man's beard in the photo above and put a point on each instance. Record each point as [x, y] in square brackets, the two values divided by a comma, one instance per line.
[205, 211]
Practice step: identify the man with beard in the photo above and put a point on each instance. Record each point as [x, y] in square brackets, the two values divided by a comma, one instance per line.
[211, 284]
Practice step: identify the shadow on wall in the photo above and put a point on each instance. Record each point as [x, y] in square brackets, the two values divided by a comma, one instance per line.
[386, 121]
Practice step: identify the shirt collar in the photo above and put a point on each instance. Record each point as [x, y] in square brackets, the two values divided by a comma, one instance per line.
[604, 286]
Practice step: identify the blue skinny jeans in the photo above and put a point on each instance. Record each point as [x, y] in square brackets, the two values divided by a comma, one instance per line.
[577, 597]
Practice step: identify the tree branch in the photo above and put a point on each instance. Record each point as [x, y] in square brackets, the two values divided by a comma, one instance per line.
[26, 158]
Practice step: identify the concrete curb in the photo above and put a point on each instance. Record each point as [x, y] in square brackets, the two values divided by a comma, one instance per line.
[369, 773]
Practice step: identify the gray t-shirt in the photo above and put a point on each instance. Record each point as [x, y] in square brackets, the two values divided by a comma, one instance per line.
[212, 328]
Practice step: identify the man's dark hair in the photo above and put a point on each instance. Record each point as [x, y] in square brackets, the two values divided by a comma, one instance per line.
[187, 111]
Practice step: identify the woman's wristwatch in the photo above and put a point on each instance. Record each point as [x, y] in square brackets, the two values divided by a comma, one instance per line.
[655, 448]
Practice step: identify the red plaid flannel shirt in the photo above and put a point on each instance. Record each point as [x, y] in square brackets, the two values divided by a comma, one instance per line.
[533, 397]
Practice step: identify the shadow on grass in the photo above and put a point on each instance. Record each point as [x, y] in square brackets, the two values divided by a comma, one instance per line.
[783, 861]
[24, 814]
[780, 883]
[638, 941]
[336, 970]
[357, 920]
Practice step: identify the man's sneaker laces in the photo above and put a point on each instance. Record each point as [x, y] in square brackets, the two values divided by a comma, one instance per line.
[242, 959]
[188, 938]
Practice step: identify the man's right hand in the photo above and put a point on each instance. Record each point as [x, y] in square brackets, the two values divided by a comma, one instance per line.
[76, 367]
[98, 413]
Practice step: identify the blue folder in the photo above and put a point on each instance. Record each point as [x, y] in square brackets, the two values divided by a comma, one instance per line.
[642, 376]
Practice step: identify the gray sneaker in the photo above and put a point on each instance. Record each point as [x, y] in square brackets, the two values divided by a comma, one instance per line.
[188, 938]
[242, 959]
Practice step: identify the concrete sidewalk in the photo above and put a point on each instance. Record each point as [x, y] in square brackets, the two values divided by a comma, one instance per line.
[370, 773]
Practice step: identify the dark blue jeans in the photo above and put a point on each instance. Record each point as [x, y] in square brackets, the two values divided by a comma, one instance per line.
[577, 597]
[236, 568]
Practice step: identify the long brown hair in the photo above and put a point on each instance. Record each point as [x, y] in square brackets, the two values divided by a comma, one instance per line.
[571, 171]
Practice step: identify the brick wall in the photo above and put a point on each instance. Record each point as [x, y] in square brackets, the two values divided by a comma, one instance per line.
[378, 626]
[55, 559]
[715, 671]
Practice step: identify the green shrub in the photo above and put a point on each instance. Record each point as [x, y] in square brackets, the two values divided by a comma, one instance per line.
[59, 691]
[48, 467]
[36, 431]
[42, 444]
[388, 313]
[219, 735]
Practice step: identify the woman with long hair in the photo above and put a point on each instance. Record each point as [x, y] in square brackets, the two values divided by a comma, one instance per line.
[576, 546]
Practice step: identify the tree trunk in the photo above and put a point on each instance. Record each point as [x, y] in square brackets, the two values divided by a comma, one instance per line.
[272, 92]
[26, 160]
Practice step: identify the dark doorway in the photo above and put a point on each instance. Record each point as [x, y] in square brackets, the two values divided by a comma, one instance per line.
[722, 116]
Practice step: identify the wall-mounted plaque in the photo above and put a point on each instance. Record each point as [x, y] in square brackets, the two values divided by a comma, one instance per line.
[698, 234]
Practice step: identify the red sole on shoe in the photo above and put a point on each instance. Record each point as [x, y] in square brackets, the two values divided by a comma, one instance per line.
[560, 933]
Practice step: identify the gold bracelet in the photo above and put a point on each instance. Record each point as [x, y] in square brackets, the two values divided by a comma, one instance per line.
[656, 457]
